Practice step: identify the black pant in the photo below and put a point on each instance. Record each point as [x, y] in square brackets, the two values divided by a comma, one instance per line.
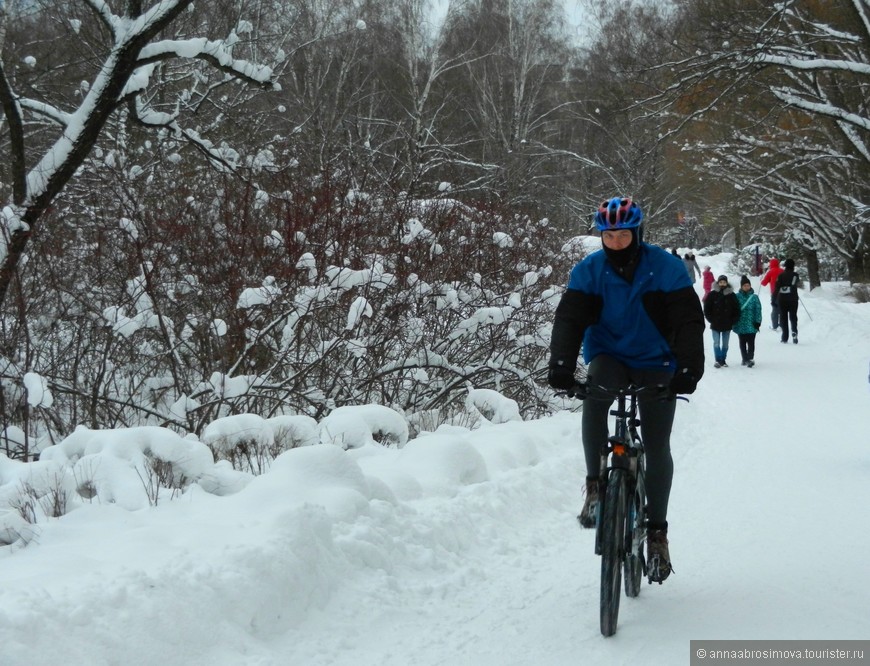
[747, 346]
[787, 313]
[656, 416]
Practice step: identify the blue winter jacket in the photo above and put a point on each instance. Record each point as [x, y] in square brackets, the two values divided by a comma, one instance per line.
[653, 322]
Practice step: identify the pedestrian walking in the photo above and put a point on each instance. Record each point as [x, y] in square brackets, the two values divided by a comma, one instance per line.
[722, 310]
[773, 272]
[787, 299]
[749, 322]
[707, 281]
[691, 265]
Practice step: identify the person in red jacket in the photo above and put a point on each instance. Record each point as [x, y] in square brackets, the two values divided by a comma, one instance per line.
[707, 280]
[773, 272]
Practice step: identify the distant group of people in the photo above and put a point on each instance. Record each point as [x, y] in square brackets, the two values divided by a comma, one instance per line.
[740, 311]
[729, 311]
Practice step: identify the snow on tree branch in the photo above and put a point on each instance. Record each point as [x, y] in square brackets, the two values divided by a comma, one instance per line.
[811, 64]
[46, 110]
[125, 74]
[216, 53]
[104, 12]
[788, 96]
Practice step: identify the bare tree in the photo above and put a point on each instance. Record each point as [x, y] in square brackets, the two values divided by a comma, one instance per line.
[132, 53]
[782, 96]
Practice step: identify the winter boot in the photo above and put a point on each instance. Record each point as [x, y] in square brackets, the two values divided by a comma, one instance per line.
[589, 513]
[794, 337]
[658, 559]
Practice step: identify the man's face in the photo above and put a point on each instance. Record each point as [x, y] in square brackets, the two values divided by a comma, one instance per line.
[723, 283]
[617, 239]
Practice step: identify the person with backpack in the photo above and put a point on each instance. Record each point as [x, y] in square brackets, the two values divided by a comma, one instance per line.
[749, 322]
[786, 291]
[773, 272]
[632, 308]
[722, 310]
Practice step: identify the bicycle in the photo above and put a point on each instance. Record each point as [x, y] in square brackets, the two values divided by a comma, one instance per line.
[621, 525]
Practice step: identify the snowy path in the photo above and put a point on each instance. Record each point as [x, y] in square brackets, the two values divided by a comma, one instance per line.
[768, 533]
[768, 536]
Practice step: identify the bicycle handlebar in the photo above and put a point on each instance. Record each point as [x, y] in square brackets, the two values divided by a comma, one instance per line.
[581, 391]
[630, 390]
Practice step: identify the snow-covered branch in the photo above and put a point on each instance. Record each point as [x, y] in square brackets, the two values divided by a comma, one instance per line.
[810, 64]
[214, 52]
[126, 73]
[46, 110]
[105, 14]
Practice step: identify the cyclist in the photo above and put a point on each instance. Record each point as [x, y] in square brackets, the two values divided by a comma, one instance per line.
[633, 308]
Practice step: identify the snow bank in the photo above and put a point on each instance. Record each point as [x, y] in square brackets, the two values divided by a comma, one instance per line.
[355, 426]
[127, 466]
[133, 468]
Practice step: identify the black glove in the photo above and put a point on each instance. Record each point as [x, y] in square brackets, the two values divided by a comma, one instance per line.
[757, 325]
[561, 377]
[684, 381]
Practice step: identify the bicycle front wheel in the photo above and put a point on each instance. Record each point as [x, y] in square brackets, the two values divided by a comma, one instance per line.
[634, 538]
[612, 549]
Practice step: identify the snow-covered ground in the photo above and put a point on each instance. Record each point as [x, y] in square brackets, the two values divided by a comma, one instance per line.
[461, 548]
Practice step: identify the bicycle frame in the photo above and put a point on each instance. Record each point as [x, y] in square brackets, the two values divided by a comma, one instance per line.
[621, 521]
[622, 450]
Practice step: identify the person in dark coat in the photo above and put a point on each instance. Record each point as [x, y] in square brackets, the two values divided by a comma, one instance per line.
[632, 307]
[722, 310]
[773, 272]
[691, 265]
[786, 293]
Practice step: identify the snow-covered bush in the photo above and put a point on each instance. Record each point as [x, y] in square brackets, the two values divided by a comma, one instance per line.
[367, 299]
[354, 426]
[247, 441]
[132, 467]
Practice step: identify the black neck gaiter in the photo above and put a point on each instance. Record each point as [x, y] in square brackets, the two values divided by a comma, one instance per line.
[624, 261]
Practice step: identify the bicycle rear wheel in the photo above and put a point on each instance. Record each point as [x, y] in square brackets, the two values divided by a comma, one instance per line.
[612, 549]
[634, 538]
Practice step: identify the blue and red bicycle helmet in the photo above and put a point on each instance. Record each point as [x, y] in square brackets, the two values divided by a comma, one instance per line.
[618, 213]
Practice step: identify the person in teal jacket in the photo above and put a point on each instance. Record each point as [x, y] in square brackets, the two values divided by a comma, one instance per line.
[750, 321]
[633, 308]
